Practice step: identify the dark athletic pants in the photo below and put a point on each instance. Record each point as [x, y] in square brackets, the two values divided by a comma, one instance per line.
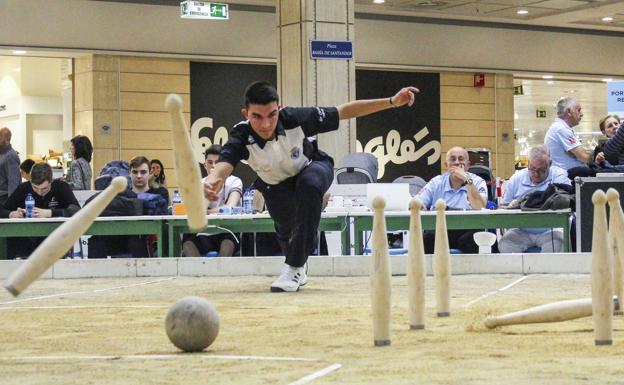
[295, 206]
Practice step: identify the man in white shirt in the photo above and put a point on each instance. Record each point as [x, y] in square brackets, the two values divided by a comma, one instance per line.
[566, 150]
[536, 177]
[230, 195]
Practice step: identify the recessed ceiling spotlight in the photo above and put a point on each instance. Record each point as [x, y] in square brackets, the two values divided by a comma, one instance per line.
[379, 1]
[522, 11]
[547, 76]
[607, 19]
[19, 52]
[607, 80]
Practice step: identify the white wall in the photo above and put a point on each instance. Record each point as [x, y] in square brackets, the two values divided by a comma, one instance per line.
[98, 25]
[45, 132]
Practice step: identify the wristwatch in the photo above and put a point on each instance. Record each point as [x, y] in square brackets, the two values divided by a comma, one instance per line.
[467, 181]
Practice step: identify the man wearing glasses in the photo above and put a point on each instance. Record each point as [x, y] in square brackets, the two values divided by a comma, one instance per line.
[536, 177]
[461, 190]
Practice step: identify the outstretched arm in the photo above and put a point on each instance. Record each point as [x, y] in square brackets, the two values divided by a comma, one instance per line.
[214, 182]
[359, 108]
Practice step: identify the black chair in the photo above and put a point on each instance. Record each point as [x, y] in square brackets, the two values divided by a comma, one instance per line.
[416, 183]
[357, 168]
[486, 174]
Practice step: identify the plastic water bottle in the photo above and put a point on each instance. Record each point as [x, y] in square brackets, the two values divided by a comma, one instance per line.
[176, 203]
[248, 201]
[29, 205]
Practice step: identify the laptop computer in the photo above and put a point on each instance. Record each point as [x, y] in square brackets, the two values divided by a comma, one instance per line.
[396, 195]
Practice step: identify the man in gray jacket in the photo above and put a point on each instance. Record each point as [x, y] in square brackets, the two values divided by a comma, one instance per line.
[10, 176]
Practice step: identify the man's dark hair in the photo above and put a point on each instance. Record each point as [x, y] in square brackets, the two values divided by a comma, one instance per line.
[215, 149]
[27, 165]
[40, 172]
[82, 147]
[260, 93]
[137, 161]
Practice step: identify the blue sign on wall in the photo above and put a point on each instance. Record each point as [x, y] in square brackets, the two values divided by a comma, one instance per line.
[321, 49]
[615, 97]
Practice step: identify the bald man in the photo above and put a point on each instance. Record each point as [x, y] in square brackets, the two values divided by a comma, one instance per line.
[461, 190]
[10, 176]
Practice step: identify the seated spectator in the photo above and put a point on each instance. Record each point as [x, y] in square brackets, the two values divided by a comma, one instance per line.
[461, 190]
[53, 198]
[536, 177]
[137, 246]
[157, 174]
[25, 168]
[196, 245]
[139, 174]
[614, 147]
[608, 126]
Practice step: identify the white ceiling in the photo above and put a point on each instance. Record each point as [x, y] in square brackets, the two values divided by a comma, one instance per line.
[581, 14]
[578, 14]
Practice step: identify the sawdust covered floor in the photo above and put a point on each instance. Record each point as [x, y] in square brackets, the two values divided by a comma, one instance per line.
[111, 331]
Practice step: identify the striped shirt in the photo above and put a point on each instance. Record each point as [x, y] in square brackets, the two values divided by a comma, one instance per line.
[614, 148]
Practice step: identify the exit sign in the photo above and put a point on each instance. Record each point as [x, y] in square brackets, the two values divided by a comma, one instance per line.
[202, 10]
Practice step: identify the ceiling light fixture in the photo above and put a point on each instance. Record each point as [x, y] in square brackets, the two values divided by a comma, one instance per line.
[522, 11]
[379, 1]
[607, 19]
[607, 80]
[19, 52]
[547, 76]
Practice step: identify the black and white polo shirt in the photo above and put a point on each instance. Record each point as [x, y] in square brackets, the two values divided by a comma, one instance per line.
[291, 150]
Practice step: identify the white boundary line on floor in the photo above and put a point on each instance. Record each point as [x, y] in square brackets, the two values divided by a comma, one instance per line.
[317, 374]
[154, 357]
[65, 307]
[491, 293]
[87, 291]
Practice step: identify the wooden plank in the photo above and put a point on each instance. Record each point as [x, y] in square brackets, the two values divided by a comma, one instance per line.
[154, 83]
[504, 81]
[467, 111]
[105, 92]
[505, 165]
[148, 121]
[139, 101]
[508, 146]
[102, 138]
[145, 140]
[83, 91]
[504, 104]
[468, 142]
[455, 94]
[165, 156]
[467, 127]
[154, 65]
[465, 79]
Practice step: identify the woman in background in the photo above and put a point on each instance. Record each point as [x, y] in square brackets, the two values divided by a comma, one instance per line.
[79, 175]
[157, 174]
[608, 126]
[25, 168]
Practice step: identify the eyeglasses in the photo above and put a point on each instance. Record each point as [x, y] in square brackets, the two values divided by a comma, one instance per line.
[538, 170]
[459, 159]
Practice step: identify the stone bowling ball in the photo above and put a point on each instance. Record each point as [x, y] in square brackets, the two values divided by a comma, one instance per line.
[192, 324]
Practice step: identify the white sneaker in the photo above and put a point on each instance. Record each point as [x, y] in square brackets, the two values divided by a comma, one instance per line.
[290, 279]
